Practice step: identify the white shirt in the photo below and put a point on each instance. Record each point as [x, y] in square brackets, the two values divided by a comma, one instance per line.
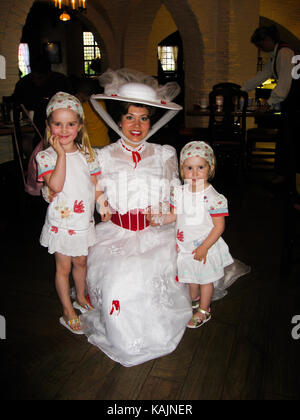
[284, 67]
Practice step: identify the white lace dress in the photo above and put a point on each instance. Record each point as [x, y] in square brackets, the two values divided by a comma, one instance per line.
[141, 309]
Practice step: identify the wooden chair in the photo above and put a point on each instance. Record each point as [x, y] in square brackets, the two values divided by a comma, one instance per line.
[227, 128]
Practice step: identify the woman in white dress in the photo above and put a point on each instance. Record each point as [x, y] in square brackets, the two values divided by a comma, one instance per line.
[141, 310]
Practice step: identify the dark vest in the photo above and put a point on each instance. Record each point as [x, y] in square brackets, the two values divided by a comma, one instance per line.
[292, 101]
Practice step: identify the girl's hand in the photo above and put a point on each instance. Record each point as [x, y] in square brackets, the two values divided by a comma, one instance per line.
[154, 219]
[200, 253]
[104, 210]
[51, 195]
[55, 143]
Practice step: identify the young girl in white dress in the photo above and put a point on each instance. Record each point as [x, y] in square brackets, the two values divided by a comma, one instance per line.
[69, 168]
[199, 211]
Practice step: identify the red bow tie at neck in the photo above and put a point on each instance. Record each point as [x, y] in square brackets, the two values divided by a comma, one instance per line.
[136, 158]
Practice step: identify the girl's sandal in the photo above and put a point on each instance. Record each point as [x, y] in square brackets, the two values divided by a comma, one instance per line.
[83, 309]
[198, 322]
[196, 303]
[71, 325]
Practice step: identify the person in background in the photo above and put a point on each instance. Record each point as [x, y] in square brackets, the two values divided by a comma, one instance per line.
[97, 129]
[284, 96]
[36, 89]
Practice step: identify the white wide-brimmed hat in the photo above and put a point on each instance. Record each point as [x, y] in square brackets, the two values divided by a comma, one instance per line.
[140, 93]
[135, 87]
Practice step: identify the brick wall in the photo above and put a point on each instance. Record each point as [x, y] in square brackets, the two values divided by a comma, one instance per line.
[13, 14]
[215, 35]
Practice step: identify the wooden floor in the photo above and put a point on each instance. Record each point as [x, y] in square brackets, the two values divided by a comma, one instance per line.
[246, 352]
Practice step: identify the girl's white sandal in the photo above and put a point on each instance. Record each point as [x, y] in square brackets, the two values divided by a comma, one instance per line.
[82, 309]
[197, 322]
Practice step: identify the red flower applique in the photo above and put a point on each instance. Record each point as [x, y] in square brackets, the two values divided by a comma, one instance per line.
[78, 207]
[71, 232]
[180, 236]
[115, 306]
[54, 229]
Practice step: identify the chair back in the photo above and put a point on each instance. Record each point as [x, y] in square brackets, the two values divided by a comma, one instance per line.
[224, 125]
[6, 109]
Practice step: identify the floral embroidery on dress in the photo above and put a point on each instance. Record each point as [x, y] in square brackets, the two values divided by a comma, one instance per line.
[136, 345]
[54, 229]
[160, 284]
[180, 235]
[71, 232]
[197, 243]
[115, 306]
[115, 250]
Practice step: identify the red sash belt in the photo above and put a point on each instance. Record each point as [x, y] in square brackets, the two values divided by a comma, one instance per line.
[133, 220]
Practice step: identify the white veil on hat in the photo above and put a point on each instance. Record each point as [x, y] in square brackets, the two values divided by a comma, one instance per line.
[136, 87]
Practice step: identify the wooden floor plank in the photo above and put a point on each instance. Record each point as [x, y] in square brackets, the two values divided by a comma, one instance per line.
[160, 389]
[245, 352]
[209, 366]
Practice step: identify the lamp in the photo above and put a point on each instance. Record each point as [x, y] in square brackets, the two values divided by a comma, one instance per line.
[64, 16]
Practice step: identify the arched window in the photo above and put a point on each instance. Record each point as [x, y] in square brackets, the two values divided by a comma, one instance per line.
[92, 55]
[24, 59]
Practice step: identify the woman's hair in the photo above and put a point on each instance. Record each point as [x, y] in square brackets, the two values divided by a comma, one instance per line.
[82, 140]
[261, 33]
[212, 169]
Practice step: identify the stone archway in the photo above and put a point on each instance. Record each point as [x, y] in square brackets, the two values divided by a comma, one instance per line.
[11, 31]
[139, 28]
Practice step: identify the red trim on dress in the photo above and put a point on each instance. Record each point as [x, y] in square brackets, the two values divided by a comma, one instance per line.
[133, 220]
[40, 177]
[219, 214]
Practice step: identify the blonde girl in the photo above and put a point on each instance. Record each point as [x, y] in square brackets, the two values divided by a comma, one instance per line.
[199, 211]
[69, 168]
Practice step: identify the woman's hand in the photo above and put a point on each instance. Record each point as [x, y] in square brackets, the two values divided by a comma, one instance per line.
[200, 253]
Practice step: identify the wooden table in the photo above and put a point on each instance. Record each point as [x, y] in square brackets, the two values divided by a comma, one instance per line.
[249, 113]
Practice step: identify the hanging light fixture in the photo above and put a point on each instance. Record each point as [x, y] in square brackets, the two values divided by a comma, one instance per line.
[64, 16]
[69, 6]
